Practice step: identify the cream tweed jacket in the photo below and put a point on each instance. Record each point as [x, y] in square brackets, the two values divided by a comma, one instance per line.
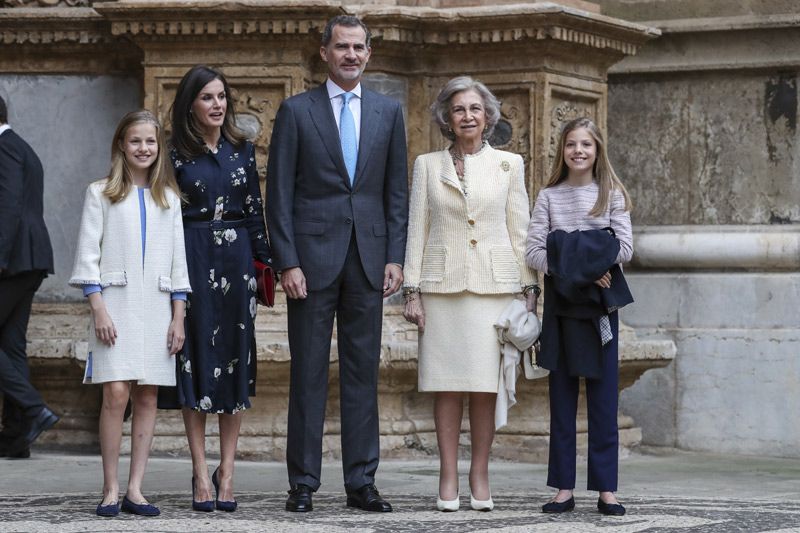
[136, 292]
[468, 236]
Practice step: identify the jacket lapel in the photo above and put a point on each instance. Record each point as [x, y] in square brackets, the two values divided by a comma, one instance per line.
[322, 116]
[370, 119]
[448, 174]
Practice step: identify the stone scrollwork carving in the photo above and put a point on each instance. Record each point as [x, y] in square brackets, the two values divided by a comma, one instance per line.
[513, 131]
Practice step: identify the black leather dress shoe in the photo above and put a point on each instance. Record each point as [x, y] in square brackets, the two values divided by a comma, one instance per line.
[41, 422]
[610, 509]
[23, 453]
[299, 500]
[367, 498]
[559, 507]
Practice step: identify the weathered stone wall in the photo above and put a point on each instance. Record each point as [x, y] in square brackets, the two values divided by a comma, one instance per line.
[709, 147]
[702, 127]
[69, 120]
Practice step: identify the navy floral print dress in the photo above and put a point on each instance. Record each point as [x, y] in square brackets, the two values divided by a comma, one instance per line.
[224, 231]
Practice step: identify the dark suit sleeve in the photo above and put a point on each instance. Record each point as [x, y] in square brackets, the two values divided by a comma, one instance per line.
[281, 173]
[11, 190]
[254, 210]
[395, 192]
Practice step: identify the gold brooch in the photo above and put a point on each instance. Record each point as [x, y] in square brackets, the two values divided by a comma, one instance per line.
[505, 166]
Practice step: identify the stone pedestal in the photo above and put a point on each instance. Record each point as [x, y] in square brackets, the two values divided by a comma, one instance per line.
[58, 350]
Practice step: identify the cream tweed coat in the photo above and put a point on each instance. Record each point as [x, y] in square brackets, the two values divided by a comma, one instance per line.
[136, 295]
[468, 240]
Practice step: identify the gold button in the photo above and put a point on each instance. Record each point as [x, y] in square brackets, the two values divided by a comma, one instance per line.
[473, 242]
[471, 222]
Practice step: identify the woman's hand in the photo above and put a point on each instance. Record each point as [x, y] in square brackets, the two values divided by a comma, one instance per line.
[175, 335]
[605, 281]
[531, 302]
[104, 327]
[414, 312]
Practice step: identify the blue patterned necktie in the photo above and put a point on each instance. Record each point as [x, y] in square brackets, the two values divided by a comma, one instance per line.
[347, 136]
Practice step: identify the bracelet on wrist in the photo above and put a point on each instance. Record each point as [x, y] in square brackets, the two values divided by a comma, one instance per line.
[410, 290]
[534, 287]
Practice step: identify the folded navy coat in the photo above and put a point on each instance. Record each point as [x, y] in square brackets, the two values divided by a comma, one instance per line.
[573, 304]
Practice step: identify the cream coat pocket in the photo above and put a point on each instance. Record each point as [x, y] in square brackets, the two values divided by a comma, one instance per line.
[433, 262]
[504, 264]
[117, 278]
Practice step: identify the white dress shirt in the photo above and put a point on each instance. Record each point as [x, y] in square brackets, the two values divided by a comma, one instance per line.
[5, 127]
[334, 93]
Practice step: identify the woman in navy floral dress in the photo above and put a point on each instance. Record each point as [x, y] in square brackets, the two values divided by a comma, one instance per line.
[224, 230]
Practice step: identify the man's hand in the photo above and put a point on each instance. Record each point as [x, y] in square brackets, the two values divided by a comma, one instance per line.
[392, 279]
[293, 282]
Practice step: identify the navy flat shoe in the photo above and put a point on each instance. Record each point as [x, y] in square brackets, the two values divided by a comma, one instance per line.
[559, 507]
[228, 507]
[143, 509]
[610, 509]
[112, 509]
[204, 507]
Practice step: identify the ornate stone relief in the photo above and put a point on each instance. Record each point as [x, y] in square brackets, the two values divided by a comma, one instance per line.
[514, 126]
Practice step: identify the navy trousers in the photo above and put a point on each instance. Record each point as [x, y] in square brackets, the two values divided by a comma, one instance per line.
[601, 404]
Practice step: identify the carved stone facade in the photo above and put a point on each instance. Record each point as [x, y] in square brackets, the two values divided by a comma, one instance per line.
[547, 63]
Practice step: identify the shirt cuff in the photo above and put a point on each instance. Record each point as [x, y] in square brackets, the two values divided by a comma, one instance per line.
[91, 289]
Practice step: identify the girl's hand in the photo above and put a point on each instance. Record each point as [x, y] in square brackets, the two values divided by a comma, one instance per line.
[415, 313]
[605, 281]
[104, 327]
[175, 335]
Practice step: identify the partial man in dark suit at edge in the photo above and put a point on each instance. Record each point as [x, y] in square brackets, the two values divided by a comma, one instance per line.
[337, 197]
[25, 260]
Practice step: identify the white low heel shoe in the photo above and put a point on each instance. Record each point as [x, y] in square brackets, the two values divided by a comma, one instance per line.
[447, 506]
[481, 505]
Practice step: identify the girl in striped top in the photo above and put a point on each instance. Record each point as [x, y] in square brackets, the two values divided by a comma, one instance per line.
[582, 193]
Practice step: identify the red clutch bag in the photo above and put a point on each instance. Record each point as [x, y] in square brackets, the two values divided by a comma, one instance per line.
[265, 278]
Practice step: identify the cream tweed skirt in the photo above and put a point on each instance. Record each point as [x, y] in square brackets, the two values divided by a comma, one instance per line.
[459, 350]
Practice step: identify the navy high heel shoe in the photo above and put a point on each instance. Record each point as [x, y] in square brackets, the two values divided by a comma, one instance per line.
[228, 507]
[205, 507]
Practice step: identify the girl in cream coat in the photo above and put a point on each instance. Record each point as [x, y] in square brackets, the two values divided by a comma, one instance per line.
[131, 264]
[464, 263]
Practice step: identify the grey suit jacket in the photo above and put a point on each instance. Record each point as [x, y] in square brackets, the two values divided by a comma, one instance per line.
[311, 209]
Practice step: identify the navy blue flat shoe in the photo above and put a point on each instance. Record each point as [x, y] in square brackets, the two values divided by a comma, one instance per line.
[112, 509]
[559, 507]
[228, 507]
[143, 509]
[610, 509]
[204, 507]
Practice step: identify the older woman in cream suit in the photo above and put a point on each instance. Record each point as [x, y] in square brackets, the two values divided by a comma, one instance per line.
[465, 261]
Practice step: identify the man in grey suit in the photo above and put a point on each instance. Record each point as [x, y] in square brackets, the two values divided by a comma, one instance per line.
[25, 260]
[337, 211]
